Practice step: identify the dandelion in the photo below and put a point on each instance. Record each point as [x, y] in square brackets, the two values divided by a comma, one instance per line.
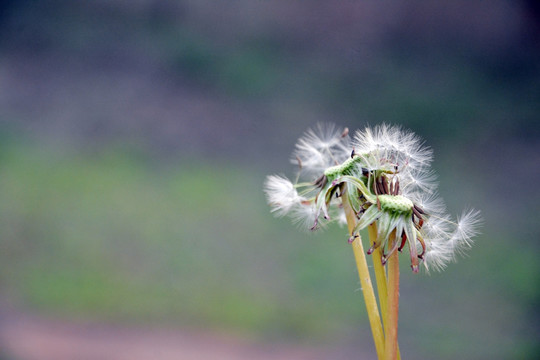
[381, 180]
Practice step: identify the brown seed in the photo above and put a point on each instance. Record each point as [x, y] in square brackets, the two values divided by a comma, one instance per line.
[380, 187]
[419, 209]
[416, 212]
[321, 181]
[385, 184]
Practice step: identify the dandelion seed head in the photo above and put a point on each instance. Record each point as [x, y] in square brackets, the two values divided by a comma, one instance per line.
[386, 143]
[386, 178]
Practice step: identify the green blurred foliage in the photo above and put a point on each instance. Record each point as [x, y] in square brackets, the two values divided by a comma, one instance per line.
[113, 238]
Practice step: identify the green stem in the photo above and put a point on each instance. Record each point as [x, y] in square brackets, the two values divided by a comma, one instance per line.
[365, 281]
[391, 325]
[380, 277]
[380, 274]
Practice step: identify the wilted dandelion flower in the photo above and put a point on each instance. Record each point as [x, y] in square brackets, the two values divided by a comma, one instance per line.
[386, 178]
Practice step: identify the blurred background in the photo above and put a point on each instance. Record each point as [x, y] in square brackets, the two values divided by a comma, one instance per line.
[135, 137]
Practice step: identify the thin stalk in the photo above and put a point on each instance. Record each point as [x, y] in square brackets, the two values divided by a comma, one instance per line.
[380, 273]
[391, 325]
[365, 282]
[380, 277]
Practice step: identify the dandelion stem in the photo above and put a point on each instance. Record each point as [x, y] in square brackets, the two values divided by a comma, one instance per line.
[391, 325]
[365, 281]
[380, 277]
[380, 274]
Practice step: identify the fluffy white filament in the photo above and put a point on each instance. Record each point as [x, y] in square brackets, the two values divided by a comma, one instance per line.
[321, 147]
[281, 194]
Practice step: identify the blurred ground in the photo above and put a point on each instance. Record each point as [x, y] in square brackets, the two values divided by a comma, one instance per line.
[31, 337]
[34, 338]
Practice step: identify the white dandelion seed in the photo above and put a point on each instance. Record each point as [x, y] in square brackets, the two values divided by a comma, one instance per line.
[281, 194]
[467, 227]
[319, 148]
[305, 217]
[445, 239]
[385, 144]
